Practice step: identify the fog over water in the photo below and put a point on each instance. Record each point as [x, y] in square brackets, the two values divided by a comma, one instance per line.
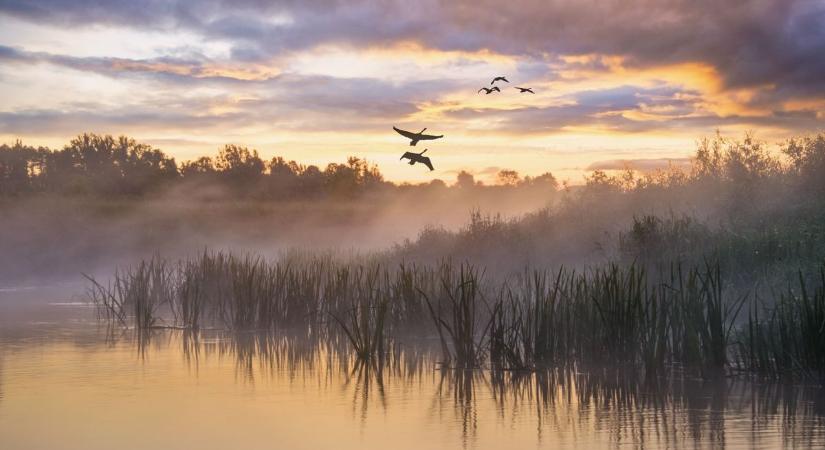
[58, 238]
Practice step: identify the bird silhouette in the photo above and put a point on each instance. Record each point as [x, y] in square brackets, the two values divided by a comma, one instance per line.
[418, 158]
[415, 137]
[523, 90]
[499, 79]
[487, 91]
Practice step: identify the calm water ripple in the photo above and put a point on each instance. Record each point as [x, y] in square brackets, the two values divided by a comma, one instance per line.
[67, 383]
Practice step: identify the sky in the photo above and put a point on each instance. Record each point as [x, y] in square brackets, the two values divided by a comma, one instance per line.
[616, 82]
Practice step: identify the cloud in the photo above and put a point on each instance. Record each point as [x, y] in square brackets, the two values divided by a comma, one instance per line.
[751, 43]
[603, 109]
[170, 67]
[649, 70]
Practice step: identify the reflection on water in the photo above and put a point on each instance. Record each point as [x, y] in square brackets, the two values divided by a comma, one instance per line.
[78, 386]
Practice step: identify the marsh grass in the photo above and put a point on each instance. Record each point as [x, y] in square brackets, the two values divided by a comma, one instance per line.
[788, 337]
[139, 292]
[364, 322]
[457, 315]
[615, 315]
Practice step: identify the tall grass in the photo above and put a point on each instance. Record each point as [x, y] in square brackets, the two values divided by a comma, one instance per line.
[364, 322]
[456, 316]
[139, 292]
[616, 315]
[787, 338]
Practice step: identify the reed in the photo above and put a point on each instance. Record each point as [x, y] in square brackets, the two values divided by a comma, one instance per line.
[616, 315]
[788, 339]
[456, 316]
[364, 322]
[138, 292]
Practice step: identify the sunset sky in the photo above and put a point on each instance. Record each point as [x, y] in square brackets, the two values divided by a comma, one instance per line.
[317, 81]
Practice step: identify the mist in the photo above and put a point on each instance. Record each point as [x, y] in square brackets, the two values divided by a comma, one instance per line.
[56, 237]
[735, 193]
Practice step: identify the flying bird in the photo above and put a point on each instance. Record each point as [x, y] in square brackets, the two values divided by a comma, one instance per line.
[418, 158]
[489, 90]
[499, 79]
[415, 137]
[523, 90]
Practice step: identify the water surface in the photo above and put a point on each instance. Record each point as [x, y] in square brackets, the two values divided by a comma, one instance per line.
[66, 382]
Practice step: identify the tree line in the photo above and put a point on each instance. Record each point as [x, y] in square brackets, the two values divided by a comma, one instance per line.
[102, 165]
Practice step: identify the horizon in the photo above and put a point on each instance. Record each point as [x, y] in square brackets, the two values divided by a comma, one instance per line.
[192, 77]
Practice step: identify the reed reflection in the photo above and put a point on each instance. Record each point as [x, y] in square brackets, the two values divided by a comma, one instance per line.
[625, 405]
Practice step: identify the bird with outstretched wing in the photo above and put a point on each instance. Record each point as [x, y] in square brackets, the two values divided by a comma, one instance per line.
[418, 158]
[488, 91]
[415, 137]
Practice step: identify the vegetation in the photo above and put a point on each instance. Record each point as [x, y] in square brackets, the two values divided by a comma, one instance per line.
[108, 167]
[789, 336]
[756, 212]
[606, 315]
[673, 269]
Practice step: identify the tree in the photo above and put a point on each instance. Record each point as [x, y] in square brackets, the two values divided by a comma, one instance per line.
[283, 176]
[465, 180]
[240, 166]
[198, 167]
[20, 168]
[543, 181]
[507, 177]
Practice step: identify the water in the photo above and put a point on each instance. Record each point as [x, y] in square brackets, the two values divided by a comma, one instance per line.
[66, 382]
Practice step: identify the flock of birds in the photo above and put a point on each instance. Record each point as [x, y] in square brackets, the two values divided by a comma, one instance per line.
[420, 136]
[489, 91]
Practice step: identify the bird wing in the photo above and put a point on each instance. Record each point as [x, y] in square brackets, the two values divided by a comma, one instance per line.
[429, 137]
[408, 155]
[426, 161]
[405, 133]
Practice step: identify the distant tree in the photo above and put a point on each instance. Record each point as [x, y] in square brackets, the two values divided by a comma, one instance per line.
[142, 167]
[340, 179]
[103, 165]
[709, 162]
[283, 176]
[465, 180]
[507, 177]
[352, 178]
[807, 162]
[311, 181]
[437, 183]
[599, 182]
[20, 168]
[543, 181]
[369, 175]
[198, 167]
[240, 166]
[748, 161]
